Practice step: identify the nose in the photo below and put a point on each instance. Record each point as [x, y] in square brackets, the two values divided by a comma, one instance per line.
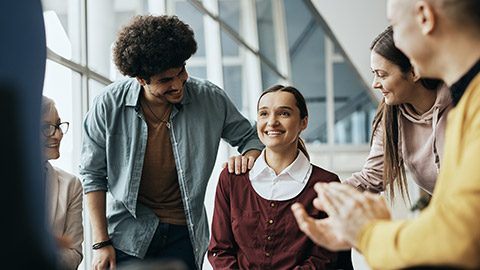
[58, 134]
[178, 84]
[376, 84]
[272, 120]
[180, 80]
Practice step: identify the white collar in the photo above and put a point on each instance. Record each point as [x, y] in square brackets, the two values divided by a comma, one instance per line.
[297, 170]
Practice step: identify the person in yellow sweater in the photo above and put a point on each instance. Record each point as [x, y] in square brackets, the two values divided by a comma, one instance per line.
[442, 38]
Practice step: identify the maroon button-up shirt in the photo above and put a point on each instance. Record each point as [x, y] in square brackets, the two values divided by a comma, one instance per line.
[250, 232]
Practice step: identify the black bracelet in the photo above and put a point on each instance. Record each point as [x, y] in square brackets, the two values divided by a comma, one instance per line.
[102, 244]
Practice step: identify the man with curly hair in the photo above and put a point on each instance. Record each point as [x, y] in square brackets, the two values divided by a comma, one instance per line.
[151, 142]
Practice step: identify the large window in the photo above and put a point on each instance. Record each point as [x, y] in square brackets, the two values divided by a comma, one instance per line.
[340, 107]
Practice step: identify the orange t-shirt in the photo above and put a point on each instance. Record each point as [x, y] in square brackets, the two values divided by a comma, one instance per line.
[159, 189]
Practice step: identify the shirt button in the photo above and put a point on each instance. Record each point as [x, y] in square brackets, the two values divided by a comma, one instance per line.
[272, 204]
[214, 254]
[267, 254]
[181, 171]
[191, 225]
[186, 198]
[270, 221]
[196, 250]
[269, 238]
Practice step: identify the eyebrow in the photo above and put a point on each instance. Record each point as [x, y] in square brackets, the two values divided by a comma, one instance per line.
[281, 107]
[164, 79]
[169, 78]
[50, 123]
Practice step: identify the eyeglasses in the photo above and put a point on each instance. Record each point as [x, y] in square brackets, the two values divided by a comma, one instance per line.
[49, 130]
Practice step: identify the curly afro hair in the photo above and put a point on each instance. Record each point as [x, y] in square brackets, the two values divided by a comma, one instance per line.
[149, 45]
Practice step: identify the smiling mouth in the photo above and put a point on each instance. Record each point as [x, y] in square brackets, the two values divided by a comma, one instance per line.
[173, 92]
[273, 133]
[52, 145]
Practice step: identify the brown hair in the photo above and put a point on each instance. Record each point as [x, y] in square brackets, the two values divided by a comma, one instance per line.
[301, 104]
[393, 167]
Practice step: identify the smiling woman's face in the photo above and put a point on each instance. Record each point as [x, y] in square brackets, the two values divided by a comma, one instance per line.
[278, 121]
[51, 145]
[397, 87]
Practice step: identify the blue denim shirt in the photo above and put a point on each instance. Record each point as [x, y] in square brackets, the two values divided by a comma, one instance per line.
[113, 149]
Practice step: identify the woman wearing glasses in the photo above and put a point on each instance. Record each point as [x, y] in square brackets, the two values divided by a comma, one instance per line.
[63, 193]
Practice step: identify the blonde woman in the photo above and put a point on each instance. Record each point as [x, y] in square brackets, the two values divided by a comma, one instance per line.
[64, 191]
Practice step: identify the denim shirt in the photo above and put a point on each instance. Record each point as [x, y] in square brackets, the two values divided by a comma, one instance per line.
[113, 150]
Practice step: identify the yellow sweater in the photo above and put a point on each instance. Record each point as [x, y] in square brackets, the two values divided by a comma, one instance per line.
[447, 232]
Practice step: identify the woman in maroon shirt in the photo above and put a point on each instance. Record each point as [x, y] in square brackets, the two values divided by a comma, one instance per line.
[253, 226]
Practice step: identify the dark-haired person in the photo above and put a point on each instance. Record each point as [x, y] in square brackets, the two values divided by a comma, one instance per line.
[149, 147]
[442, 38]
[252, 226]
[409, 125]
[63, 191]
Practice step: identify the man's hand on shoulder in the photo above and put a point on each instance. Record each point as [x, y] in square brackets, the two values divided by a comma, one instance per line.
[242, 163]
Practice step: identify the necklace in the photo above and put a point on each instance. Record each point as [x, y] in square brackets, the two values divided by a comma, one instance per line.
[158, 118]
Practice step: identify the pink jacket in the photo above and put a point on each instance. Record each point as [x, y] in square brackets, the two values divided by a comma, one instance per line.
[421, 140]
[64, 208]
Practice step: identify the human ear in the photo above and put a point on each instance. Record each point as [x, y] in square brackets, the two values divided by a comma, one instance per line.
[304, 123]
[425, 17]
[141, 81]
[415, 75]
